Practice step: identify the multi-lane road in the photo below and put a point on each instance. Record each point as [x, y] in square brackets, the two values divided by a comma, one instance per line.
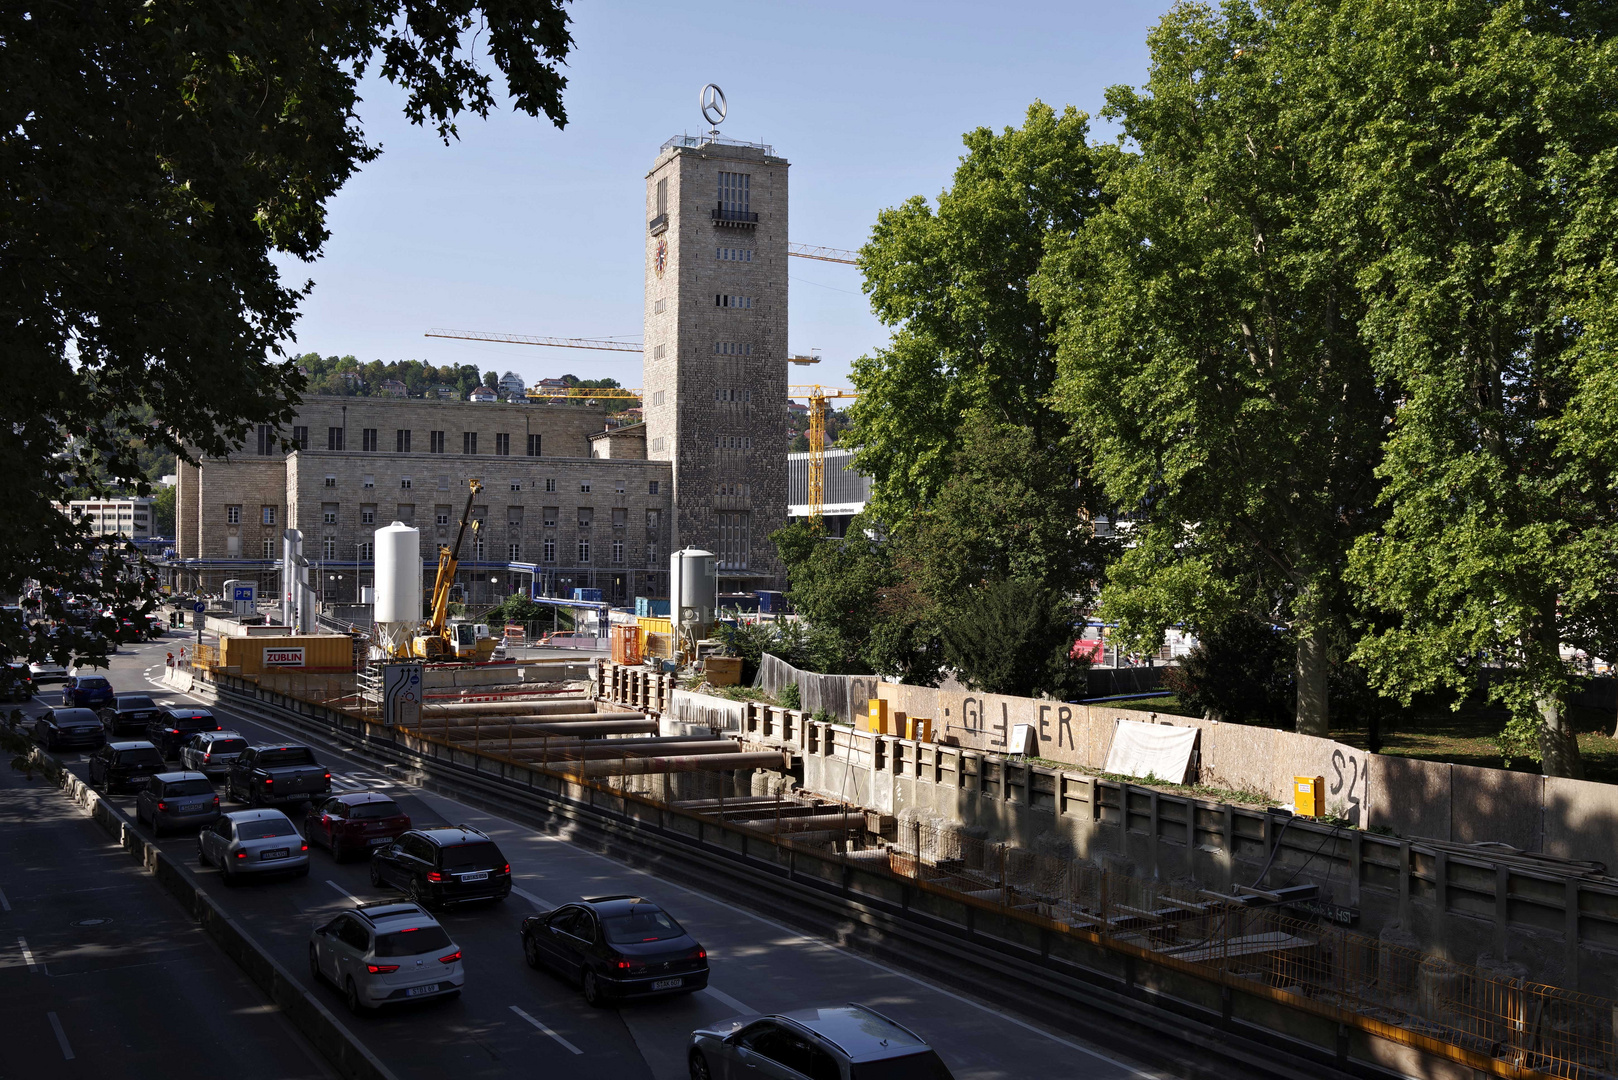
[145, 991]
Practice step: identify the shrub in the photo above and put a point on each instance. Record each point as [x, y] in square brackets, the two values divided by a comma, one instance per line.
[790, 697]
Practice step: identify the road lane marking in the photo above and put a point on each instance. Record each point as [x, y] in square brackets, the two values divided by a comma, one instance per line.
[5, 905]
[346, 894]
[546, 1030]
[28, 957]
[727, 1001]
[538, 901]
[61, 1036]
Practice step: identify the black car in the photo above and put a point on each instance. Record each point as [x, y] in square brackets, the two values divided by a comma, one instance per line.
[16, 682]
[124, 766]
[129, 712]
[616, 947]
[452, 865]
[60, 728]
[175, 724]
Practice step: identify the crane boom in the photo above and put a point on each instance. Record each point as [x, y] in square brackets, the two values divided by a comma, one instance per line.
[528, 339]
[824, 254]
[449, 560]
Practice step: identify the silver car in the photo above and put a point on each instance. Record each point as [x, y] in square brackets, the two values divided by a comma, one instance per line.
[177, 800]
[844, 1042]
[386, 953]
[246, 842]
[211, 752]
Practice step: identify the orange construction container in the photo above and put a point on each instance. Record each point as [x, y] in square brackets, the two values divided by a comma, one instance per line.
[625, 644]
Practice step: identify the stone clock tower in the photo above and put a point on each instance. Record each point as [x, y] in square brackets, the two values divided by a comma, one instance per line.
[716, 348]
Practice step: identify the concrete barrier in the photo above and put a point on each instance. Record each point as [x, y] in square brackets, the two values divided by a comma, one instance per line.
[318, 1024]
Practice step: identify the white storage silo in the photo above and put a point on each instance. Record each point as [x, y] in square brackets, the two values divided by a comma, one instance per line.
[398, 586]
[693, 587]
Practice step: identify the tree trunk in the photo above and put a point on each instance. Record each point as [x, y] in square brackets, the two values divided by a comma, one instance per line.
[1313, 665]
[1558, 745]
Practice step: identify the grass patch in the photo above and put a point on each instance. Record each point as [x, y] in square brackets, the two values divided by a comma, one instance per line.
[1239, 796]
[1470, 736]
[740, 693]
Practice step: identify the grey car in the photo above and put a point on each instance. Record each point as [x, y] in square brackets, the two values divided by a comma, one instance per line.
[251, 842]
[386, 953]
[61, 728]
[173, 800]
[211, 752]
[843, 1042]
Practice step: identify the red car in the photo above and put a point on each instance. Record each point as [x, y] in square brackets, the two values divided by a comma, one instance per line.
[354, 823]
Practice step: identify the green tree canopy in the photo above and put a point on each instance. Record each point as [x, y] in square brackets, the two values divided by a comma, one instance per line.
[154, 158]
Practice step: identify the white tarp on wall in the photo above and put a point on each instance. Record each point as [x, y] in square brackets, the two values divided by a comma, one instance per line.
[1157, 750]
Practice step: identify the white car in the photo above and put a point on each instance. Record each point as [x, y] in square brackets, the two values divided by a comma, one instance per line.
[253, 842]
[211, 752]
[44, 671]
[386, 953]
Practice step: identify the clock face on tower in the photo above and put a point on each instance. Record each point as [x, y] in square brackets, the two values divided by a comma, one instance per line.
[660, 257]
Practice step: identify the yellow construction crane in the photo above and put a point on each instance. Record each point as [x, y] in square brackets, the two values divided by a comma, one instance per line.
[818, 412]
[439, 639]
[528, 339]
[823, 254]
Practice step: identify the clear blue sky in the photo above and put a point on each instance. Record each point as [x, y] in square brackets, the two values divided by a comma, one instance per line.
[522, 228]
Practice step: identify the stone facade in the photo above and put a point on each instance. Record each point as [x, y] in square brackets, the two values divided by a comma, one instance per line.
[561, 515]
[716, 348]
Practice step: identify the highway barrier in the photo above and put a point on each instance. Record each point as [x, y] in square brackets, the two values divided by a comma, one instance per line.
[318, 1024]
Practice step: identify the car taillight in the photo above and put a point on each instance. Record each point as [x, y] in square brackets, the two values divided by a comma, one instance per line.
[507, 869]
[451, 958]
[216, 800]
[381, 969]
[305, 847]
[700, 954]
[328, 776]
[269, 779]
[241, 854]
[162, 806]
[434, 875]
[626, 965]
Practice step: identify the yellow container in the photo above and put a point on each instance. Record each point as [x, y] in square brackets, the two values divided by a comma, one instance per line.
[919, 729]
[877, 716]
[1309, 796]
[652, 624]
[327, 653]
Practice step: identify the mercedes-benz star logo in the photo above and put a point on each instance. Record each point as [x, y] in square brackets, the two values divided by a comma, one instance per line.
[713, 104]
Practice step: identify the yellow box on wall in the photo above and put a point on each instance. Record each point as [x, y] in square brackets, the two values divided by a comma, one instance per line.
[1309, 796]
[919, 728]
[878, 716]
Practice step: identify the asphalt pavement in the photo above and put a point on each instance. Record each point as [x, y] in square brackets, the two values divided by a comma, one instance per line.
[510, 1020]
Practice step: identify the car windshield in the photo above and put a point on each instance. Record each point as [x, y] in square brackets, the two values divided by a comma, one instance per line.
[225, 746]
[192, 720]
[420, 939]
[280, 759]
[180, 788]
[373, 810]
[92, 684]
[136, 703]
[642, 922]
[147, 756]
[479, 856]
[922, 1066]
[261, 830]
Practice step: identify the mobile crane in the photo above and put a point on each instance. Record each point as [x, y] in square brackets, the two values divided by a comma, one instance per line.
[441, 639]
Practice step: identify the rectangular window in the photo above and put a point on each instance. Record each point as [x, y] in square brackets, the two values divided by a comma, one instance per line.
[550, 485]
[618, 487]
[620, 517]
[549, 517]
[267, 516]
[584, 551]
[652, 518]
[368, 480]
[514, 552]
[478, 545]
[441, 515]
[657, 309]
[469, 442]
[401, 440]
[334, 438]
[266, 440]
[651, 487]
[657, 398]
[404, 483]
[405, 514]
[328, 513]
[733, 540]
[733, 192]
[366, 550]
[233, 515]
[443, 483]
[502, 444]
[550, 549]
[435, 442]
[533, 446]
[268, 546]
[657, 352]
[617, 553]
[367, 515]
[516, 485]
[651, 553]
[734, 254]
[300, 437]
[331, 480]
[584, 487]
[663, 196]
[368, 440]
[586, 516]
[328, 548]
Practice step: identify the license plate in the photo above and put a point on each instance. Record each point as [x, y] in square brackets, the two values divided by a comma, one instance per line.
[430, 988]
[195, 809]
[482, 875]
[377, 840]
[666, 984]
[277, 853]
